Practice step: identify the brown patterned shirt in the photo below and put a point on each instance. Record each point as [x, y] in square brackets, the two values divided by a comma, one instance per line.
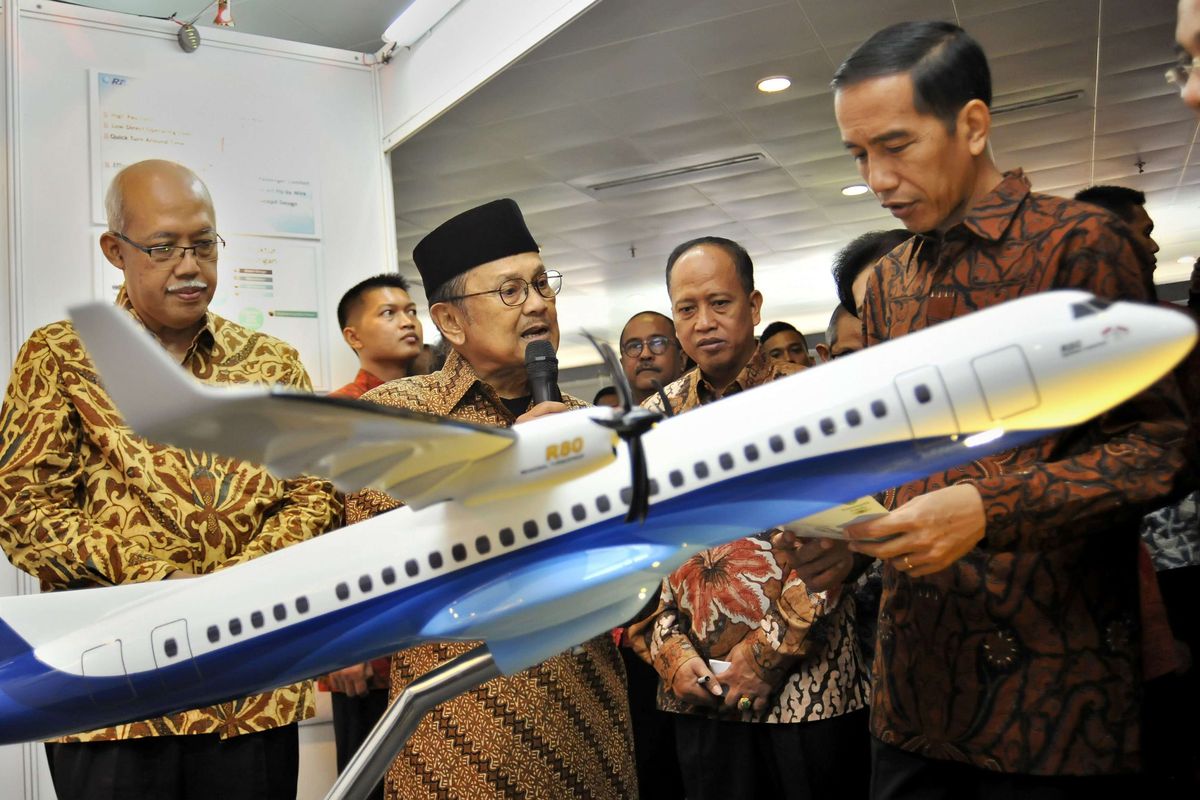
[1023, 656]
[88, 503]
[747, 588]
[557, 730]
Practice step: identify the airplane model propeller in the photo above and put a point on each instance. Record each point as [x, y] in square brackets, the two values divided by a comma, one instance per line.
[630, 424]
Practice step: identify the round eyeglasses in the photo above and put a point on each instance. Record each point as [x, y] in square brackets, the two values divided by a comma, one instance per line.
[655, 344]
[170, 254]
[1178, 73]
[515, 291]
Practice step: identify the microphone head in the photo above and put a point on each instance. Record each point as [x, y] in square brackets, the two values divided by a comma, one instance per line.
[539, 354]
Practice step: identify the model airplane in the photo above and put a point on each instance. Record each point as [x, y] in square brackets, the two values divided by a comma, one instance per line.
[518, 538]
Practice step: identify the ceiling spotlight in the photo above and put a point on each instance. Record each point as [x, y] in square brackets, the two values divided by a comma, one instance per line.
[776, 83]
[855, 189]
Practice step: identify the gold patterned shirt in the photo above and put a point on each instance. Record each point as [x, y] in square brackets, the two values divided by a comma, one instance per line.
[87, 503]
[557, 730]
[747, 589]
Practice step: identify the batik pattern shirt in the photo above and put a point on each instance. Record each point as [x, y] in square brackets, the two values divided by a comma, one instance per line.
[560, 729]
[363, 382]
[87, 503]
[1023, 656]
[803, 641]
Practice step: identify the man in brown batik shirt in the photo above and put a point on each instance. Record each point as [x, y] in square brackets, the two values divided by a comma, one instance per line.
[1008, 633]
[561, 728]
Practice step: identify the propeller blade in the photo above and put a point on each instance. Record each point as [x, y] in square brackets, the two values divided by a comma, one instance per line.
[613, 364]
[639, 501]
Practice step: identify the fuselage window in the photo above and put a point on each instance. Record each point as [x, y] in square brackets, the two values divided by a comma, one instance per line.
[701, 470]
[256, 619]
[726, 461]
[676, 478]
[554, 520]
[578, 512]
[302, 604]
[776, 443]
[653, 486]
[364, 583]
[435, 560]
[626, 495]
[235, 627]
[483, 545]
[802, 436]
[170, 648]
[342, 591]
[388, 575]
[506, 537]
[279, 611]
[853, 418]
[459, 552]
[879, 409]
[410, 568]
[602, 504]
[751, 452]
[214, 633]
[827, 426]
[531, 529]
[922, 393]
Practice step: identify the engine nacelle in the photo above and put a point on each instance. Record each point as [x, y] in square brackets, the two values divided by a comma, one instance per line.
[548, 451]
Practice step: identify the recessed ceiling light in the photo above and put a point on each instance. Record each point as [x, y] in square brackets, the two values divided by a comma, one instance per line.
[1187, 259]
[776, 83]
[855, 189]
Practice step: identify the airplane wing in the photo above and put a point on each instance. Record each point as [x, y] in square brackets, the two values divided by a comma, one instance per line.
[356, 445]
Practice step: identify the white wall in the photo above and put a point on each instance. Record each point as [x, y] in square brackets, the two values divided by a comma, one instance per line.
[475, 41]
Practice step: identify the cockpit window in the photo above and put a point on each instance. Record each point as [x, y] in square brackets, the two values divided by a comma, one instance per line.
[1100, 304]
[1081, 310]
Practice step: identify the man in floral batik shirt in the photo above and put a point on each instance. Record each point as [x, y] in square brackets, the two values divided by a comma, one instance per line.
[787, 718]
[87, 503]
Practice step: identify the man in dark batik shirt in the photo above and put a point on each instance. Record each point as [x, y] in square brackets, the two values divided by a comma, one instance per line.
[1008, 658]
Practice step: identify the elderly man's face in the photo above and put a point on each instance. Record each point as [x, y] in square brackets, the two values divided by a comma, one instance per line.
[165, 206]
[1187, 36]
[645, 366]
[714, 314]
[496, 334]
[920, 171]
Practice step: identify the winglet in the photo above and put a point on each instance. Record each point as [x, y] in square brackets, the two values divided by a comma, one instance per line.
[139, 374]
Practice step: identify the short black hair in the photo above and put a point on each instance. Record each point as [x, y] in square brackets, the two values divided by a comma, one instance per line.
[647, 313]
[741, 259]
[604, 392]
[1120, 200]
[948, 67]
[779, 327]
[348, 306]
[859, 255]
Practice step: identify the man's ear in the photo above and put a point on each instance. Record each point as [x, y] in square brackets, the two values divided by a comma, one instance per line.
[449, 320]
[351, 337]
[822, 352]
[756, 301]
[975, 120]
[111, 247]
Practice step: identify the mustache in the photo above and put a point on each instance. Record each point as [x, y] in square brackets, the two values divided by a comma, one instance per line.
[187, 286]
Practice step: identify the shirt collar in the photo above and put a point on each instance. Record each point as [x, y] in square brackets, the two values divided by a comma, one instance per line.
[758, 370]
[367, 380]
[205, 337]
[991, 217]
[453, 382]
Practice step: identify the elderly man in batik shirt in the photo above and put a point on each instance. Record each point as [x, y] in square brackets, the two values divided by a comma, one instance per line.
[786, 719]
[561, 728]
[88, 503]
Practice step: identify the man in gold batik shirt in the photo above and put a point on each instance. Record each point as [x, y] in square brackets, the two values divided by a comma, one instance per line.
[559, 729]
[86, 503]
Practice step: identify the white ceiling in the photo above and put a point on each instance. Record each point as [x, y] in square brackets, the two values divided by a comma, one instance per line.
[639, 84]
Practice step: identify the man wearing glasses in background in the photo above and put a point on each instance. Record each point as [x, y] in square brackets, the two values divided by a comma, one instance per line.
[87, 503]
[561, 728]
[650, 353]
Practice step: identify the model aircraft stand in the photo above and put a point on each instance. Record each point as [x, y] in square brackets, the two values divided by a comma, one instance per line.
[369, 765]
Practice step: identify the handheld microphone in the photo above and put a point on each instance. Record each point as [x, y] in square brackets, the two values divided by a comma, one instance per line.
[541, 365]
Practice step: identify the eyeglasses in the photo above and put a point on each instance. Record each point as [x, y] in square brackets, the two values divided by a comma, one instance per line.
[173, 253]
[657, 345]
[1177, 75]
[515, 291]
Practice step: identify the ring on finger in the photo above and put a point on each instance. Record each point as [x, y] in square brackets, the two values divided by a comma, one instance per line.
[744, 703]
[908, 564]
